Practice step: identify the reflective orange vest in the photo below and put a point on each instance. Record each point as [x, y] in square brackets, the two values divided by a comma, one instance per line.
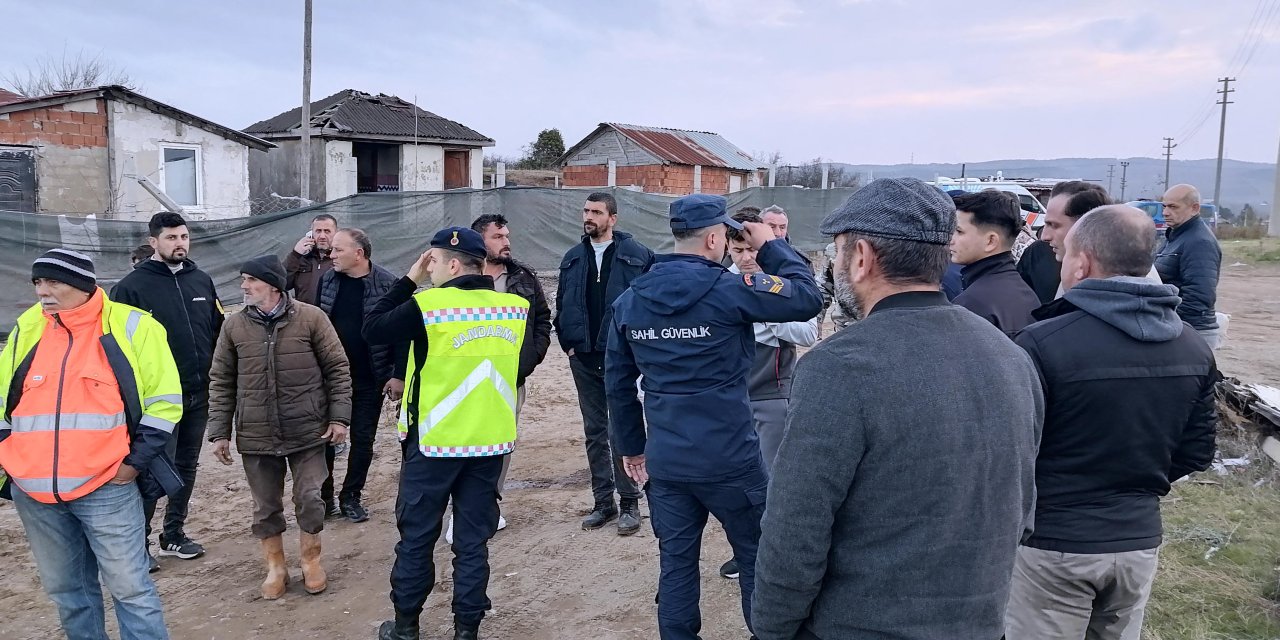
[68, 432]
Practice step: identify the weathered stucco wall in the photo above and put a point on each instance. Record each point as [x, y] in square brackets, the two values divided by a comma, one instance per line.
[421, 167]
[137, 136]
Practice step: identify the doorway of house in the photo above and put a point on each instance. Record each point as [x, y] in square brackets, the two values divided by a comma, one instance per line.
[457, 169]
[377, 166]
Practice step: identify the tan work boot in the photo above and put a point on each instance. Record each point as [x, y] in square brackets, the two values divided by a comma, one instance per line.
[277, 571]
[313, 575]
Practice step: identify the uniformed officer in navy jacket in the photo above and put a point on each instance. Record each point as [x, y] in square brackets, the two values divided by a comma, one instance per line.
[686, 326]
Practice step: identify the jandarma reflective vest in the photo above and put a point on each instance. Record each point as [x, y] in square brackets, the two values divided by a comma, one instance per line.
[73, 383]
[466, 387]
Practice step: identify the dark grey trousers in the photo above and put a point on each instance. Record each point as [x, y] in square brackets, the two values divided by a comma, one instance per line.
[607, 473]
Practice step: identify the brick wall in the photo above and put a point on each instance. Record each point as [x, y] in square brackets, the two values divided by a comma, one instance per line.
[56, 126]
[652, 178]
[72, 175]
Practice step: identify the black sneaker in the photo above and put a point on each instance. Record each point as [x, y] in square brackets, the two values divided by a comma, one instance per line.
[153, 565]
[331, 510]
[729, 570]
[353, 511]
[181, 547]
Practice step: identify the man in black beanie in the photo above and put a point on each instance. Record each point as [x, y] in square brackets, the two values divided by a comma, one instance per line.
[90, 397]
[266, 362]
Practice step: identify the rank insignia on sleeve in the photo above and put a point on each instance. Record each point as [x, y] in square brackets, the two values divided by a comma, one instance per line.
[766, 283]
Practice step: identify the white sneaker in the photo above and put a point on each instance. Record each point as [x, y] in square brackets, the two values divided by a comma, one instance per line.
[502, 522]
[448, 534]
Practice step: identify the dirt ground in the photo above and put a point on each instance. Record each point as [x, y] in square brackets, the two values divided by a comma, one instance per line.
[550, 578]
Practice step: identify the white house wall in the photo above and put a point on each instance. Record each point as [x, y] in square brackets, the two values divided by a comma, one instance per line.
[136, 134]
[477, 168]
[339, 169]
[421, 167]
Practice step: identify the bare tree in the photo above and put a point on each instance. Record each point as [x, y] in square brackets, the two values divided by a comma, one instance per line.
[50, 74]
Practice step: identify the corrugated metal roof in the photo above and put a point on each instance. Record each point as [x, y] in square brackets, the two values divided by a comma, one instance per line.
[7, 96]
[687, 147]
[351, 113]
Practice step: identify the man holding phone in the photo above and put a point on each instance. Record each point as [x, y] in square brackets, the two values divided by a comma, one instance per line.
[309, 259]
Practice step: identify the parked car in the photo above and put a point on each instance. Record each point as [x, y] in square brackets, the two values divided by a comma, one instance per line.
[1155, 209]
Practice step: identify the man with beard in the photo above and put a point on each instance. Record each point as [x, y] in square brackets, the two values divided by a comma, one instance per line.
[902, 488]
[309, 259]
[183, 299]
[510, 276]
[592, 275]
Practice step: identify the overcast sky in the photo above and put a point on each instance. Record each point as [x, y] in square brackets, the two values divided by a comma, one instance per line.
[860, 81]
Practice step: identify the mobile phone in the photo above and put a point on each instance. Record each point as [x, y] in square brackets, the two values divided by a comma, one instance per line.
[310, 236]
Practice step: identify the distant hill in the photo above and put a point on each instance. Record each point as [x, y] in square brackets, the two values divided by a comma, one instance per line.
[1242, 182]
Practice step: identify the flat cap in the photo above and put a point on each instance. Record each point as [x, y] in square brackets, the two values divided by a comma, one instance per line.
[460, 239]
[700, 210]
[895, 208]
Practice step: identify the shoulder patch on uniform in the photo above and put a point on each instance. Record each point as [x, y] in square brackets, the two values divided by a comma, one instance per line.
[766, 283]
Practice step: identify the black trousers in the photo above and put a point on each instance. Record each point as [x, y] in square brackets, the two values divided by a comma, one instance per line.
[366, 408]
[426, 486]
[184, 446]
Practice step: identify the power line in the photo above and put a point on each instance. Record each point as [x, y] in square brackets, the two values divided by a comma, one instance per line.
[1259, 36]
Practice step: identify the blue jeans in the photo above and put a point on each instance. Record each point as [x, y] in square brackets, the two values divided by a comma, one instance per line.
[76, 541]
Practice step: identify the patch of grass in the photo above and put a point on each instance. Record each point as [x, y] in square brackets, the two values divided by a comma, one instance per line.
[1251, 251]
[1218, 567]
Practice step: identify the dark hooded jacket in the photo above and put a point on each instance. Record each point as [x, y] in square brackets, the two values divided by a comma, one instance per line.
[186, 304]
[686, 325]
[1130, 393]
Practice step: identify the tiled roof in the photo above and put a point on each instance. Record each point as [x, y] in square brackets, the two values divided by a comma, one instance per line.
[350, 114]
[679, 146]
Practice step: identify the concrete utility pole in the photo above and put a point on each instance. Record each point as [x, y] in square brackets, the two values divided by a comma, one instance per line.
[1124, 177]
[304, 161]
[1168, 153]
[1111, 174]
[1222, 135]
[1273, 227]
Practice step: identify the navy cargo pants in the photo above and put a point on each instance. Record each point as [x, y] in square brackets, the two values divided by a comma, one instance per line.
[426, 485]
[678, 512]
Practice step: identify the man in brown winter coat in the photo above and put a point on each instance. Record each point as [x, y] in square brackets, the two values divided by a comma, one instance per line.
[264, 375]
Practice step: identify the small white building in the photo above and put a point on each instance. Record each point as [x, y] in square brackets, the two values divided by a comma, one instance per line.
[363, 143]
[114, 152]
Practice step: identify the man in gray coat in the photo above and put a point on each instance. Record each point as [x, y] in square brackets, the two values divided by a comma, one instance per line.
[903, 484]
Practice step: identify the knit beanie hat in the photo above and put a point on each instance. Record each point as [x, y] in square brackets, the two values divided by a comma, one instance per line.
[64, 265]
[267, 269]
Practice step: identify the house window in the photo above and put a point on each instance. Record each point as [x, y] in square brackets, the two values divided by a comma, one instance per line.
[180, 174]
